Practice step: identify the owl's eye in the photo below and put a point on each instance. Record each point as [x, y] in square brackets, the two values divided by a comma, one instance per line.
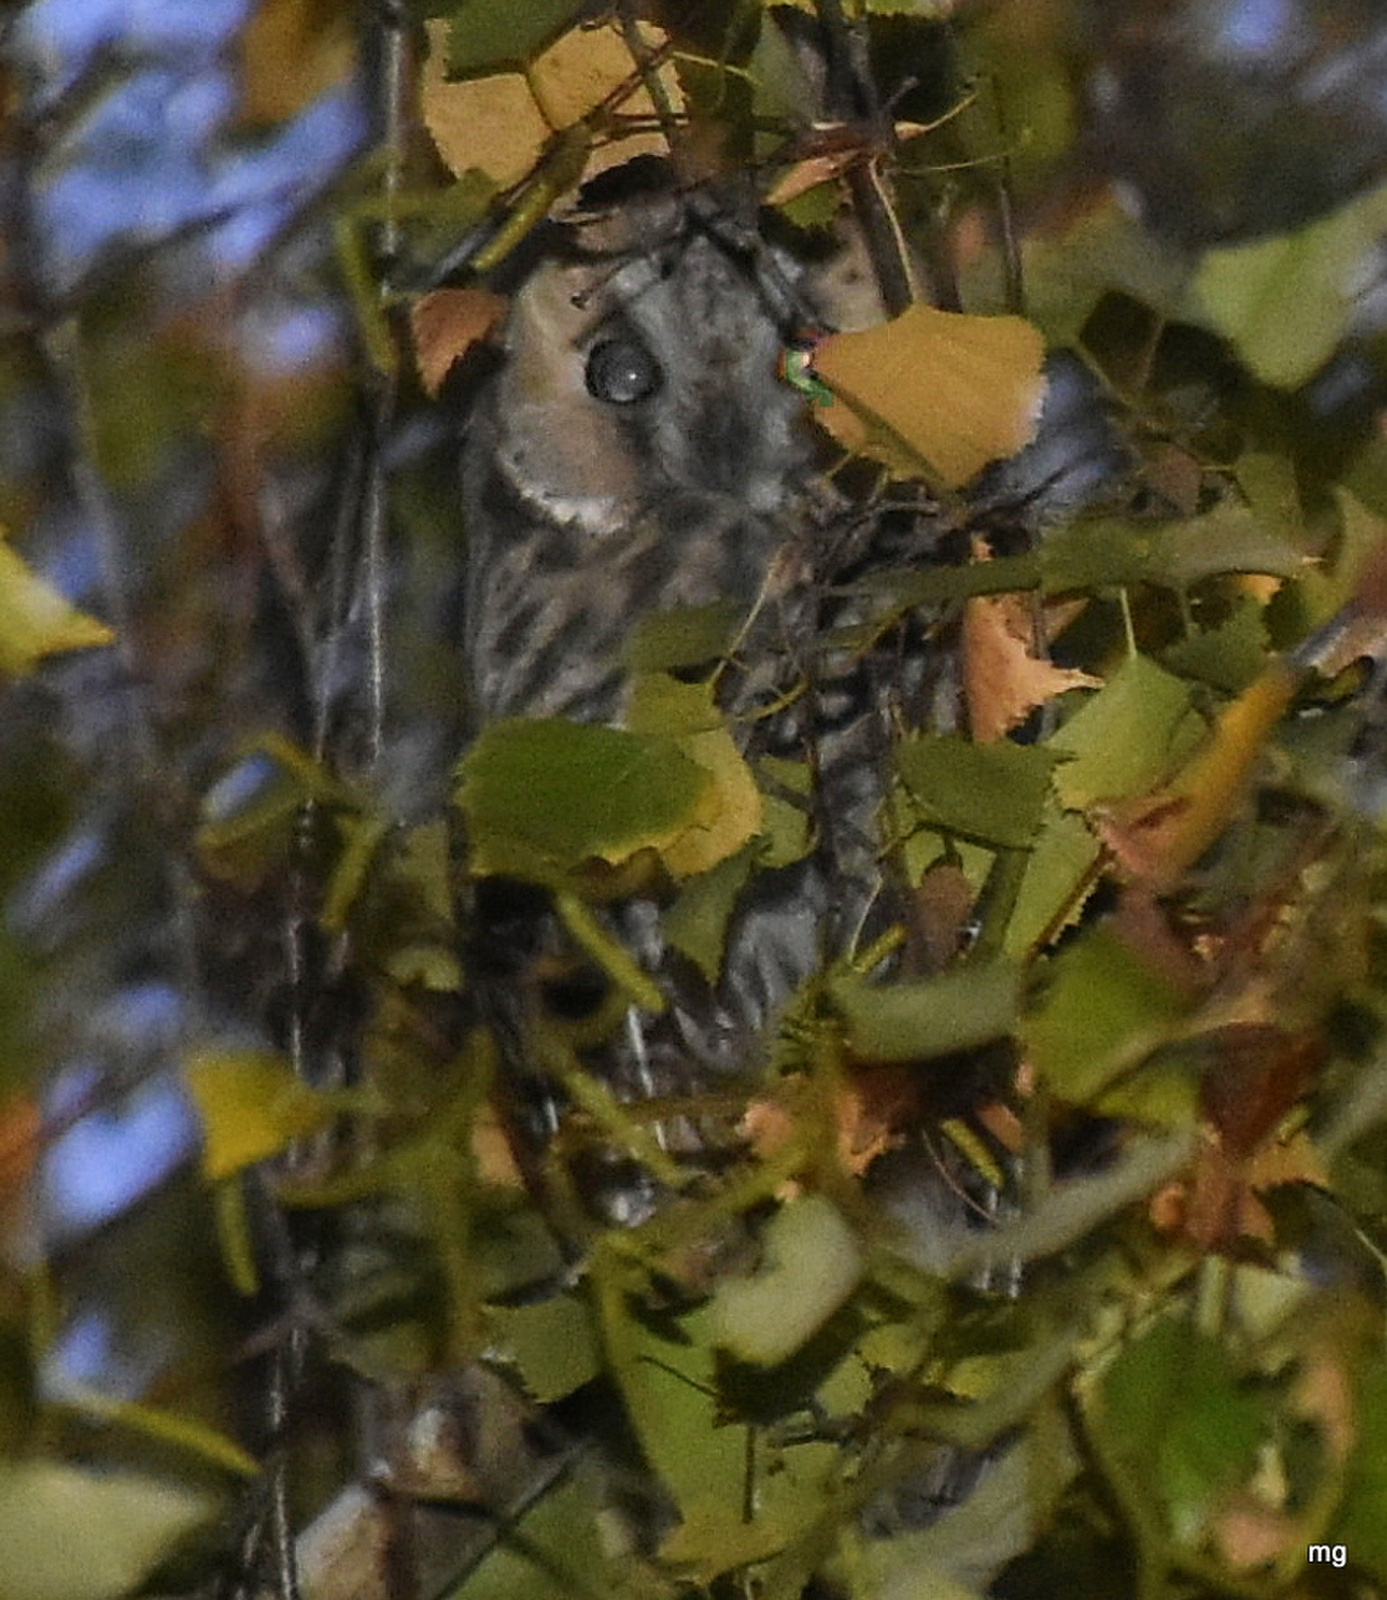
[622, 371]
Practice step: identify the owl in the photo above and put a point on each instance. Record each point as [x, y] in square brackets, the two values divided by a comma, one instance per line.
[638, 453]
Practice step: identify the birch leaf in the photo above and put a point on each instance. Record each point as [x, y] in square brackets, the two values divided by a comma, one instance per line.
[935, 389]
[36, 621]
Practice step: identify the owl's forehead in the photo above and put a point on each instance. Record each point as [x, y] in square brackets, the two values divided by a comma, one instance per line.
[679, 276]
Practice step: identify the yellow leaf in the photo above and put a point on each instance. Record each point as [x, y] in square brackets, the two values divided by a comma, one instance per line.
[732, 806]
[490, 124]
[36, 621]
[1157, 839]
[500, 124]
[587, 66]
[251, 1106]
[935, 391]
[729, 812]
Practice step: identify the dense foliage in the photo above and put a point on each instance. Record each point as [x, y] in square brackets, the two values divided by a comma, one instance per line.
[266, 1235]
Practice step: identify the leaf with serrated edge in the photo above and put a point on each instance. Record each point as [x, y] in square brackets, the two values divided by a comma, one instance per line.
[935, 390]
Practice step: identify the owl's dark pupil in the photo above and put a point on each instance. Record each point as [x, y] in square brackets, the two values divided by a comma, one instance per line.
[622, 371]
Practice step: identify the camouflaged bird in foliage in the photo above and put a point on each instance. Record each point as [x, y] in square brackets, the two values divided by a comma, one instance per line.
[638, 455]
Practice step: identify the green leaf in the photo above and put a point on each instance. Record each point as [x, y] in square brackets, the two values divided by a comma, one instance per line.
[1126, 737]
[990, 792]
[945, 585]
[1321, 589]
[1269, 481]
[250, 816]
[779, 83]
[697, 921]
[1068, 273]
[671, 1396]
[1164, 1094]
[787, 831]
[931, 10]
[1230, 538]
[817, 207]
[915, 1021]
[1175, 1416]
[484, 36]
[1095, 553]
[75, 1535]
[1361, 1522]
[683, 637]
[168, 1427]
[811, 1265]
[1058, 879]
[545, 797]
[1114, 553]
[1103, 1009]
[1229, 656]
[775, 1493]
[661, 704]
[551, 1343]
[251, 1106]
[1286, 302]
[554, 1552]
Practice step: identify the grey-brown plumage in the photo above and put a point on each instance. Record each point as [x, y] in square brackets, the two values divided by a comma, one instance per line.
[637, 452]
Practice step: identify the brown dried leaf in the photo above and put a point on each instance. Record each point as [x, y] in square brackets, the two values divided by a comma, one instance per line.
[446, 324]
[872, 1111]
[939, 912]
[1003, 679]
[767, 1126]
[809, 174]
[1260, 1073]
[1219, 1204]
[290, 52]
